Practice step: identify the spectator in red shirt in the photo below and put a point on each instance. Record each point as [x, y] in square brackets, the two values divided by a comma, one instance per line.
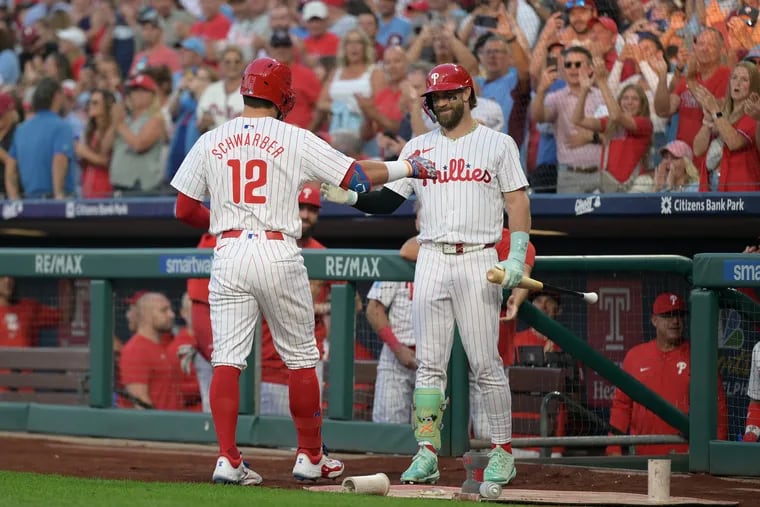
[627, 130]
[145, 369]
[155, 52]
[319, 41]
[662, 365]
[176, 352]
[740, 161]
[213, 27]
[306, 85]
[22, 319]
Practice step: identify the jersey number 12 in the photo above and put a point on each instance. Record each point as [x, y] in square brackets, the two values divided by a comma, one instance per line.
[255, 177]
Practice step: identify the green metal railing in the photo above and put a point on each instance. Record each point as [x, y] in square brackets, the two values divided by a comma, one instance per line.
[104, 265]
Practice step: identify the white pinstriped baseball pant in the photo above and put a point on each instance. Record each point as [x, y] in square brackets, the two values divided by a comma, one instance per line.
[254, 276]
[451, 289]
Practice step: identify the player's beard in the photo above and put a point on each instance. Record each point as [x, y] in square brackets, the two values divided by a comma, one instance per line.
[451, 116]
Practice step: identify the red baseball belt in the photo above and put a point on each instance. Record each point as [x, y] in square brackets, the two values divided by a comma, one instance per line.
[236, 233]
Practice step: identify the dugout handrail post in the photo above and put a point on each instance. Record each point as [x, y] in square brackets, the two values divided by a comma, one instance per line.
[340, 392]
[101, 344]
[703, 388]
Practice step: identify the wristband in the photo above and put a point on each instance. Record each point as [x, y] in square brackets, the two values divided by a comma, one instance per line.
[398, 169]
[518, 245]
[389, 338]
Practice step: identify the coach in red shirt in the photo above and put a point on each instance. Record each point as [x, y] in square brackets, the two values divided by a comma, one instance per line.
[662, 365]
[145, 369]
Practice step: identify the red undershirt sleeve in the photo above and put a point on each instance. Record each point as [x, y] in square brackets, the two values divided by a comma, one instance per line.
[192, 212]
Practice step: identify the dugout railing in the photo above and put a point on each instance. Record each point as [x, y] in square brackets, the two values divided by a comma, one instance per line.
[106, 266]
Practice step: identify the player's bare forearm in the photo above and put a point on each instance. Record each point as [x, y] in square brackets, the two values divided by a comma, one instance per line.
[376, 315]
[192, 212]
[517, 204]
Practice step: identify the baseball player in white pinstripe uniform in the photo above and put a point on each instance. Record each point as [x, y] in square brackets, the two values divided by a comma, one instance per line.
[253, 168]
[461, 218]
[389, 312]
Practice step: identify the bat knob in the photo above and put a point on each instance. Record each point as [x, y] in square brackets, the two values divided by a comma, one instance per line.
[496, 275]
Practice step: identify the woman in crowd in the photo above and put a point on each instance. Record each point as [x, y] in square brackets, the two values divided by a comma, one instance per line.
[355, 75]
[136, 162]
[730, 130]
[676, 171]
[627, 130]
[94, 151]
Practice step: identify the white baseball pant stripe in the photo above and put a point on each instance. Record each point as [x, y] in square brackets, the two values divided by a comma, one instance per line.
[453, 288]
[394, 388]
[254, 276]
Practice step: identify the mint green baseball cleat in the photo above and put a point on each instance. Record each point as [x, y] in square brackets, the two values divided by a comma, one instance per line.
[501, 467]
[424, 468]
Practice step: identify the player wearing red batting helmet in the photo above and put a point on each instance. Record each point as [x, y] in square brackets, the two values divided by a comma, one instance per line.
[268, 79]
[443, 78]
[253, 167]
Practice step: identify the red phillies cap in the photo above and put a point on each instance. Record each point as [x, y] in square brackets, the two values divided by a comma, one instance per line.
[608, 23]
[310, 195]
[667, 302]
[142, 81]
[131, 300]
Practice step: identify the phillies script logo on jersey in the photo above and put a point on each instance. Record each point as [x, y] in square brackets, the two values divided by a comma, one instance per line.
[458, 170]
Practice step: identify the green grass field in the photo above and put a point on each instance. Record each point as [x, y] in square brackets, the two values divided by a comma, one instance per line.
[36, 490]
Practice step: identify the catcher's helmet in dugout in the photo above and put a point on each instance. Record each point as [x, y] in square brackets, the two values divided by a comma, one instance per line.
[268, 79]
[446, 77]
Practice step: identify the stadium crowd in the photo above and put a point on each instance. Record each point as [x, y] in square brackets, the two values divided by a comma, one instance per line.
[102, 98]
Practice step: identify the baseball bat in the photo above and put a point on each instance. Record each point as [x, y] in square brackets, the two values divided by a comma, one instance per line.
[496, 275]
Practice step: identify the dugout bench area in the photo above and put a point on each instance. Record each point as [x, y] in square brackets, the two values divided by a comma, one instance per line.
[37, 389]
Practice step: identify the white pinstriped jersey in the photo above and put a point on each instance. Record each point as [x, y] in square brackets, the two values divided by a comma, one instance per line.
[465, 203]
[253, 169]
[396, 297]
[753, 389]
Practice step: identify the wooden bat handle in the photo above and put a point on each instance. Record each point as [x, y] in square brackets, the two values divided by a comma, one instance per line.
[496, 275]
[530, 284]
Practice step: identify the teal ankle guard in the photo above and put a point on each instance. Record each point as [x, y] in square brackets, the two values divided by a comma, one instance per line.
[429, 406]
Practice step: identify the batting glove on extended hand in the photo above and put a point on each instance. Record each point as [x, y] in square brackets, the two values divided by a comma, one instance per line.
[186, 354]
[513, 272]
[422, 168]
[338, 195]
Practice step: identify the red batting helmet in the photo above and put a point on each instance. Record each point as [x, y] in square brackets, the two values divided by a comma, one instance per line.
[443, 78]
[268, 79]
[447, 76]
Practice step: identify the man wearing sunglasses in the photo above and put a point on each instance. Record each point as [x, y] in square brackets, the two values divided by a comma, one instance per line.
[578, 150]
